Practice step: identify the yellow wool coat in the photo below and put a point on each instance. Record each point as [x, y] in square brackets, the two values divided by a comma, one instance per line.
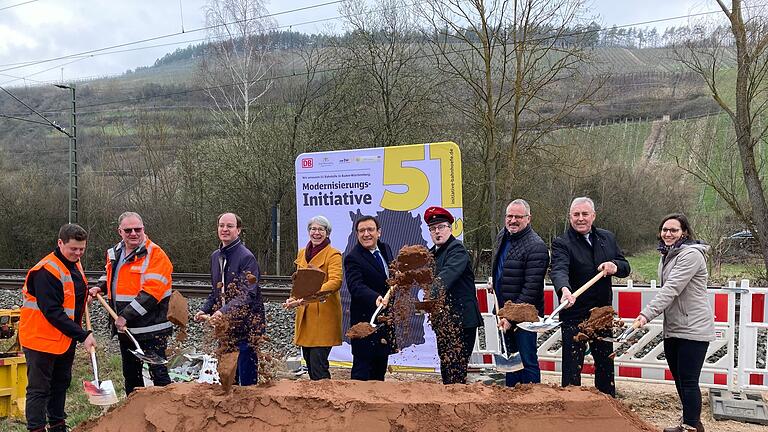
[319, 324]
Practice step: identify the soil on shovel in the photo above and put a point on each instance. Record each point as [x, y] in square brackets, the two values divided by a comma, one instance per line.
[371, 406]
[601, 322]
[307, 282]
[360, 330]
[518, 312]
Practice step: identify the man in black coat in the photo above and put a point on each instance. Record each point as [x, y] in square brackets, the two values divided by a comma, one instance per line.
[366, 269]
[577, 255]
[520, 262]
[454, 268]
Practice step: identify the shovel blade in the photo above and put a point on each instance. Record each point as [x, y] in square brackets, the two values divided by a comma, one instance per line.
[629, 331]
[149, 358]
[103, 395]
[511, 363]
[539, 327]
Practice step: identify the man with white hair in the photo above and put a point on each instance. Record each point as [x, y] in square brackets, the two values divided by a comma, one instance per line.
[578, 254]
[138, 286]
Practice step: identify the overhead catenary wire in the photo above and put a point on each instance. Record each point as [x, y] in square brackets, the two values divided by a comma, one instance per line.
[334, 69]
[17, 5]
[19, 65]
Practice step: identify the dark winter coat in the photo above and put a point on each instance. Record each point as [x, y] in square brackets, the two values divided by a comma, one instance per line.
[574, 262]
[366, 281]
[234, 261]
[454, 269]
[525, 265]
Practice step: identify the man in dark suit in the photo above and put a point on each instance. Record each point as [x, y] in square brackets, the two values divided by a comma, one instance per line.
[454, 268]
[578, 254]
[366, 269]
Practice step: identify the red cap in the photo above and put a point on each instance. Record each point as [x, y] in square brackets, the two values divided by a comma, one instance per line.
[435, 214]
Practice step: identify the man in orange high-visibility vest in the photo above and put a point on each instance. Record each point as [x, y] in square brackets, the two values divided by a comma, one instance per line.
[55, 292]
[138, 286]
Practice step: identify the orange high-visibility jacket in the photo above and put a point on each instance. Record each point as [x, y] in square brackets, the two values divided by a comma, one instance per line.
[35, 332]
[142, 288]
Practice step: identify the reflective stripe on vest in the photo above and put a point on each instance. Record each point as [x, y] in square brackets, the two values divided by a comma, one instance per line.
[33, 305]
[152, 328]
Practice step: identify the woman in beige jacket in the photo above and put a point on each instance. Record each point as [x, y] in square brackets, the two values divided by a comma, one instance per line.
[689, 324]
[318, 324]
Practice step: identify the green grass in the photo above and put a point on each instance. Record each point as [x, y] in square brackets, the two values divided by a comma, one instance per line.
[77, 408]
[645, 268]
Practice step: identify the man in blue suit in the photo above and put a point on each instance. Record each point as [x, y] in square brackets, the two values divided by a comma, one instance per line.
[366, 269]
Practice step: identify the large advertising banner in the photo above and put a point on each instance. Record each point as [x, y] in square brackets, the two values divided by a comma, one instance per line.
[395, 184]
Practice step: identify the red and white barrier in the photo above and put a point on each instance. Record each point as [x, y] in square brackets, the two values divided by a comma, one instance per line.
[752, 373]
[641, 360]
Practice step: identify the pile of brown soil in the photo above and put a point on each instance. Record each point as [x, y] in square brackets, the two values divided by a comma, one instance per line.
[601, 322]
[333, 405]
[518, 312]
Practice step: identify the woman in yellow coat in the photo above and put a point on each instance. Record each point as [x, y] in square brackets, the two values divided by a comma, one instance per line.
[318, 324]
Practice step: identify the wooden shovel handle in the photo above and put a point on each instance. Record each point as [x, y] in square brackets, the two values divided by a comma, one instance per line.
[106, 306]
[87, 318]
[589, 283]
[388, 295]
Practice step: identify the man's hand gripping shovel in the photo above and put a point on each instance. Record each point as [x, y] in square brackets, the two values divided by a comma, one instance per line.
[150, 358]
[550, 323]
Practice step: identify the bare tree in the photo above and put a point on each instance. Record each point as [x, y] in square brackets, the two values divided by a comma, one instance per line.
[382, 54]
[236, 63]
[705, 56]
[515, 66]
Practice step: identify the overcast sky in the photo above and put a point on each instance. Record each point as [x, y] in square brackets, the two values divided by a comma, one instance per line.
[38, 31]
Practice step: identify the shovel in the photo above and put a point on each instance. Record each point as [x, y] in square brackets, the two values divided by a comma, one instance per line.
[505, 362]
[150, 358]
[99, 393]
[624, 335]
[549, 323]
[380, 307]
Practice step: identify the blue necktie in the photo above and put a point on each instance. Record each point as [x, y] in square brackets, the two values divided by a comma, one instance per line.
[379, 260]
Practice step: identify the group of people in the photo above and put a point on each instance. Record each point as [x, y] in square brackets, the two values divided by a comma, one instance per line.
[138, 286]
[520, 262]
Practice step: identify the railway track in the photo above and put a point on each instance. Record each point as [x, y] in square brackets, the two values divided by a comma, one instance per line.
[273, 288]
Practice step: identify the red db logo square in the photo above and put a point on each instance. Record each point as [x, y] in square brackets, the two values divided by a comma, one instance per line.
[307, 163]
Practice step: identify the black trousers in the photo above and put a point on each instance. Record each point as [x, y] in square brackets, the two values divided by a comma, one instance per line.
[453, 364]
[369, 365]
[48, 378]
[685, 359]
[317, 362]
[573, 359]
[132, 366]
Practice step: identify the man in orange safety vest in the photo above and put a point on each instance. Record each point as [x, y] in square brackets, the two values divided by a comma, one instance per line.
[138, 286]
[55, 293]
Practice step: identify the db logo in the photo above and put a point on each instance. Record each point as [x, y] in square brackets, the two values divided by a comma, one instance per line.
[307, 163]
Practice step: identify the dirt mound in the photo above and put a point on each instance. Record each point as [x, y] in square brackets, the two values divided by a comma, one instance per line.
[332, 405]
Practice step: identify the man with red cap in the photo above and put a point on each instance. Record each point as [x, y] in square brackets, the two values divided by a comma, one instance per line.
[454, 268]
